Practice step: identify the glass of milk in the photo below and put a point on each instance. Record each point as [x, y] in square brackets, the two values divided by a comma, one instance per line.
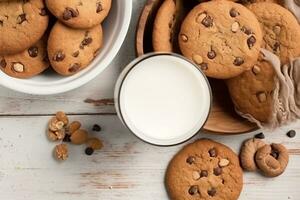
[164, 99]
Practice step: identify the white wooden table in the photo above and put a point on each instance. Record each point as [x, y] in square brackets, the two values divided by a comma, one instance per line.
[126, 168]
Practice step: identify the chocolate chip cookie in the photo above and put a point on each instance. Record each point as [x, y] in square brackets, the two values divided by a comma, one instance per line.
[22, 23]
[252, 91]
[167, 25]
[222, 37]
[28, 63]
[281, 31]
[71, 50]
[80, 13]
[204, 170]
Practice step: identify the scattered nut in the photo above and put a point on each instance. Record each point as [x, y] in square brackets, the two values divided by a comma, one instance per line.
[247, 154]
[61, 116]
[74, 126]
[79, 137]
[61, 152]
[55, 124]
[184, 38]
[51, 135]
[224, 162]
[272, 159]
[94, 143]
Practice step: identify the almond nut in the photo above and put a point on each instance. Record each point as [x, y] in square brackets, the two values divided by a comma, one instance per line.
[79, 137]
[74, 126]
[235, 27]
[61, 152]
[196, 175]
[61, 116]
[94, 143]
[224, 163]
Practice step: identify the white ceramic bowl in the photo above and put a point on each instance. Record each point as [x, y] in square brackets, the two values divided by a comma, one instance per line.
[115, 29]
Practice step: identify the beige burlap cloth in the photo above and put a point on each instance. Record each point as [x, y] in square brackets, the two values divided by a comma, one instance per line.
[294, 7]
[286, 95]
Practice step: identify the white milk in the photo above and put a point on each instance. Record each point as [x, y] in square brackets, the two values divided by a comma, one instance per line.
[164, 99]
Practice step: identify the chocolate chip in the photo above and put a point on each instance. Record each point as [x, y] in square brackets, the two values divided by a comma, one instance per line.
[97, 128]
[238, 61]
[217, 171]
[212, 54]
[274, 154]
[212, 192]
[99, 7]
[43, 12]
[193, 190]
[1, 23]
[276, 47]
[67, 138]
[207, 21]
[59, 56]
[21, 18]
[251, 41]
[89, 151]
[75, 54]
[33, 52]
[70, 13]
[234, 13]
[246, 30]
[87, 41]
[212, 153]
[203, 173]
[260, 136]
[291, 133]
[74, 68]
[190, 160]
[3, 63]
[204, 66]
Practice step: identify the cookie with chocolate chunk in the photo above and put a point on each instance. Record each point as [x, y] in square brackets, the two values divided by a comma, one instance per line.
[204, 170]
[167, 25]
[22, 24]
[71, 50]
[222, 37]
[80, 14]
[252, 91]
[28, 63]
[281, 31]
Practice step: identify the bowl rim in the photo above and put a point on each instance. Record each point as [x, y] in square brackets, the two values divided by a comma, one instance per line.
[71, 83]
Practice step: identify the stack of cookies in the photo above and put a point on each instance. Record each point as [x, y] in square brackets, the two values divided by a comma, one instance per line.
[32, 39]
[226, 40]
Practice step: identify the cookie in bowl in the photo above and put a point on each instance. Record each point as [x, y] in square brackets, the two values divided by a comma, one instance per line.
[28, 63]
[80, 14]
[71, 50]
[222, 37]
[22, 24]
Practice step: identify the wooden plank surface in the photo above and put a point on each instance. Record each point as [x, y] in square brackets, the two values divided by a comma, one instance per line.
[125, 169]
